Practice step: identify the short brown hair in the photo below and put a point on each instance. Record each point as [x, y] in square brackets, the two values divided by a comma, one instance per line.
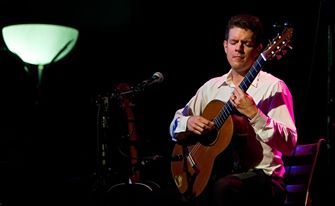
[246, 21]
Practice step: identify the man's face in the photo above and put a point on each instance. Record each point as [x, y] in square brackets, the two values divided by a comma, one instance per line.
[241, 50]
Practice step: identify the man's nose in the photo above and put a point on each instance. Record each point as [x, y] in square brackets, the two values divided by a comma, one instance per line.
[239, 47]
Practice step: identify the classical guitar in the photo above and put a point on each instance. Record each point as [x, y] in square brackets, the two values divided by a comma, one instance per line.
[192, 163]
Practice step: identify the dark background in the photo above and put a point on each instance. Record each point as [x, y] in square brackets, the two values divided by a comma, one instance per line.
[48, 136]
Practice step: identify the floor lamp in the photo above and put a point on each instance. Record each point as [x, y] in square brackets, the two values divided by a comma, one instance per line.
[39, 44]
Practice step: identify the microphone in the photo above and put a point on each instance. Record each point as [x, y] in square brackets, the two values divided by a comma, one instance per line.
[157, 77]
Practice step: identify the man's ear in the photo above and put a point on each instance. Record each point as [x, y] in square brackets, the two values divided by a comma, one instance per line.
[225, 45]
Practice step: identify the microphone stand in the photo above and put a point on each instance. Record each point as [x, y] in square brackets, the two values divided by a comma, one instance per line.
[103, 170]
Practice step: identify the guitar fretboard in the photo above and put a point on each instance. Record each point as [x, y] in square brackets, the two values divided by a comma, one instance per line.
[244, 85]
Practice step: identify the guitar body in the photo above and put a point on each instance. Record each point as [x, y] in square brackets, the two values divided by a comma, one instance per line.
[193, 167]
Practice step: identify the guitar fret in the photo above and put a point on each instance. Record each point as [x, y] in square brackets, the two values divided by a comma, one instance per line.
[226, 114]
[247, 78]
[252, 76]
[257, 61]
[230, 106]
[216, 123]
[245, 85]
[223, 114]
[220, 119]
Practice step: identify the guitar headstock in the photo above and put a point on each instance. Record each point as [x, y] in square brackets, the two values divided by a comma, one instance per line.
[279, 45]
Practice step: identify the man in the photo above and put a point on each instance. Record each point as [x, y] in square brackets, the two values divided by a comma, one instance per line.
[263, 124]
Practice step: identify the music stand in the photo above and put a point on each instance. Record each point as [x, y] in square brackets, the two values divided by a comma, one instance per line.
[39, 44]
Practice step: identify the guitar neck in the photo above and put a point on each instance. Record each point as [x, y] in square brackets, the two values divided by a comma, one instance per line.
[244, 85]
[252, 73]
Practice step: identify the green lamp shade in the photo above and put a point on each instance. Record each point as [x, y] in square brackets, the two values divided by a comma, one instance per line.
[40, 44]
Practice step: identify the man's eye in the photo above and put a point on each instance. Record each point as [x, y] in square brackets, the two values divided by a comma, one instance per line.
[249, 44]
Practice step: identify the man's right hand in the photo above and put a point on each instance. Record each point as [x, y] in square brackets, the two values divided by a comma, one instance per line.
[199, 125]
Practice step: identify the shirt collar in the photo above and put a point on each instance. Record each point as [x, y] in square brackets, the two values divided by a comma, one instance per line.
[227, 80]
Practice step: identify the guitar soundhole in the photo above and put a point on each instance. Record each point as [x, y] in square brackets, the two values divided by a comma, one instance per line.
[209, 138]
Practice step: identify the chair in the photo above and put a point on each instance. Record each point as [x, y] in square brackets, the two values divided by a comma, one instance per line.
[303, 173]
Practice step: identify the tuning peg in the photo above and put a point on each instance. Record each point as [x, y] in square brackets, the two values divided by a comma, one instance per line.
[275, 25]
[280, 26]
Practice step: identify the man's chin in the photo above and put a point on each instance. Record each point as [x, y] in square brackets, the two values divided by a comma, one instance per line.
[240, 69]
